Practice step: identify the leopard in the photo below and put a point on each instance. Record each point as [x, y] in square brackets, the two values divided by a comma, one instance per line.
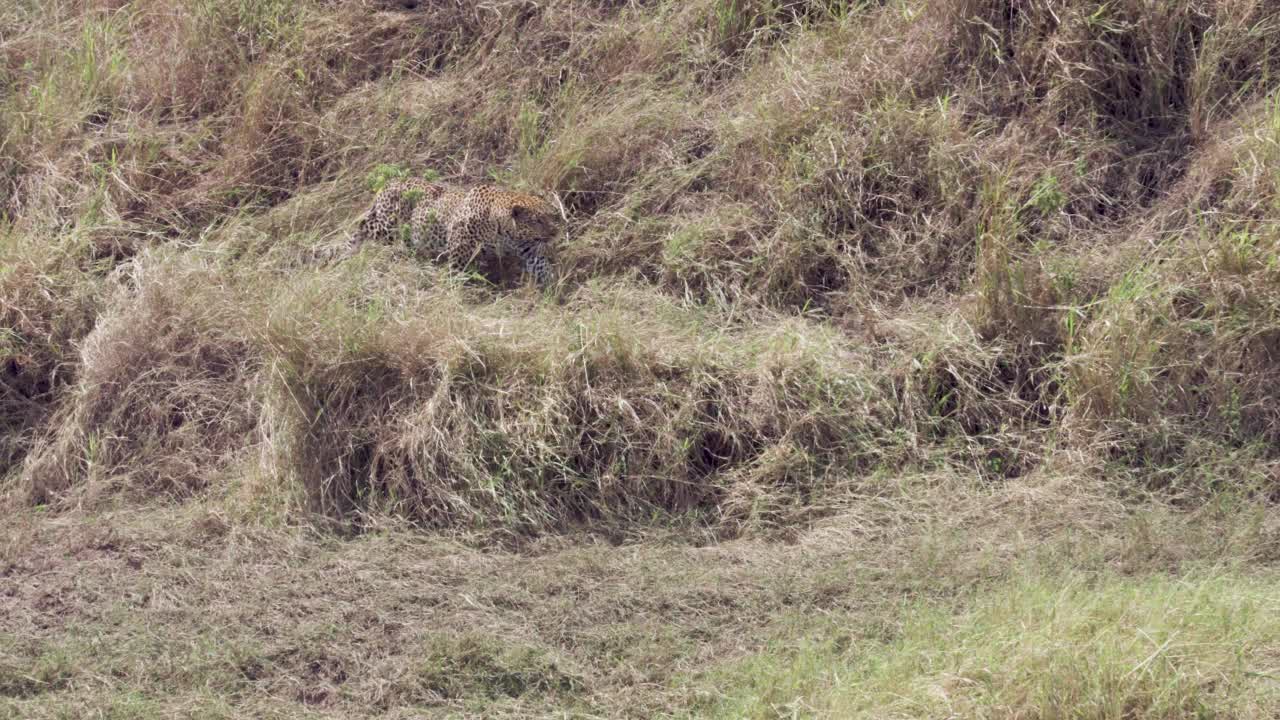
[464, 225]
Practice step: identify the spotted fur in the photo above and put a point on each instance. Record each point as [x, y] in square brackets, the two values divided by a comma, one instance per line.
[464, 225]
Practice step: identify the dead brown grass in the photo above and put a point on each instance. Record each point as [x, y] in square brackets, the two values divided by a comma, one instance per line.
[46, 306]
[544, 419]
[163, 396]
[152, 613]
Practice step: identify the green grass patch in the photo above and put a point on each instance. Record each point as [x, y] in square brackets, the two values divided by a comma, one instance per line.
[1056, 646]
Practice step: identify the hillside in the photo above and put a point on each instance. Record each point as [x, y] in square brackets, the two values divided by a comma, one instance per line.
[913, 358]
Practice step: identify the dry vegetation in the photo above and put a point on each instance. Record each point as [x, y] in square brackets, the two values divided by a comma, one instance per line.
[899, 313]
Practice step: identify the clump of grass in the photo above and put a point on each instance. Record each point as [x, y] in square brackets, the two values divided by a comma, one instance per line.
[1184, 341]
[1107, 647]
[985, 406]
[477, 667]
[578, 159]
[25, 674]
[532, 418]
[47, 305]
[163, 394]
[1150, 77]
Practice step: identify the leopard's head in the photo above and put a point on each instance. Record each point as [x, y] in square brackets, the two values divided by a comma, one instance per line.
[533, 221]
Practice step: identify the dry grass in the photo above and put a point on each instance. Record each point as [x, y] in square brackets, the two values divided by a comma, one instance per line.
[620, 407]
[164, 391]
[47, 304]
[179, 609]
[1030, 223]
[1000, 270]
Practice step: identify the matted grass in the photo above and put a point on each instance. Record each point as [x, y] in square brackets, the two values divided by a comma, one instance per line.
[936, 593]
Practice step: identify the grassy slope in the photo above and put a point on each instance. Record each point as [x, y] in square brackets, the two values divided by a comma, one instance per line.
[913, 357]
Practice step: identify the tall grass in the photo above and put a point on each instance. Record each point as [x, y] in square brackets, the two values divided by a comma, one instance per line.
[807, 241]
